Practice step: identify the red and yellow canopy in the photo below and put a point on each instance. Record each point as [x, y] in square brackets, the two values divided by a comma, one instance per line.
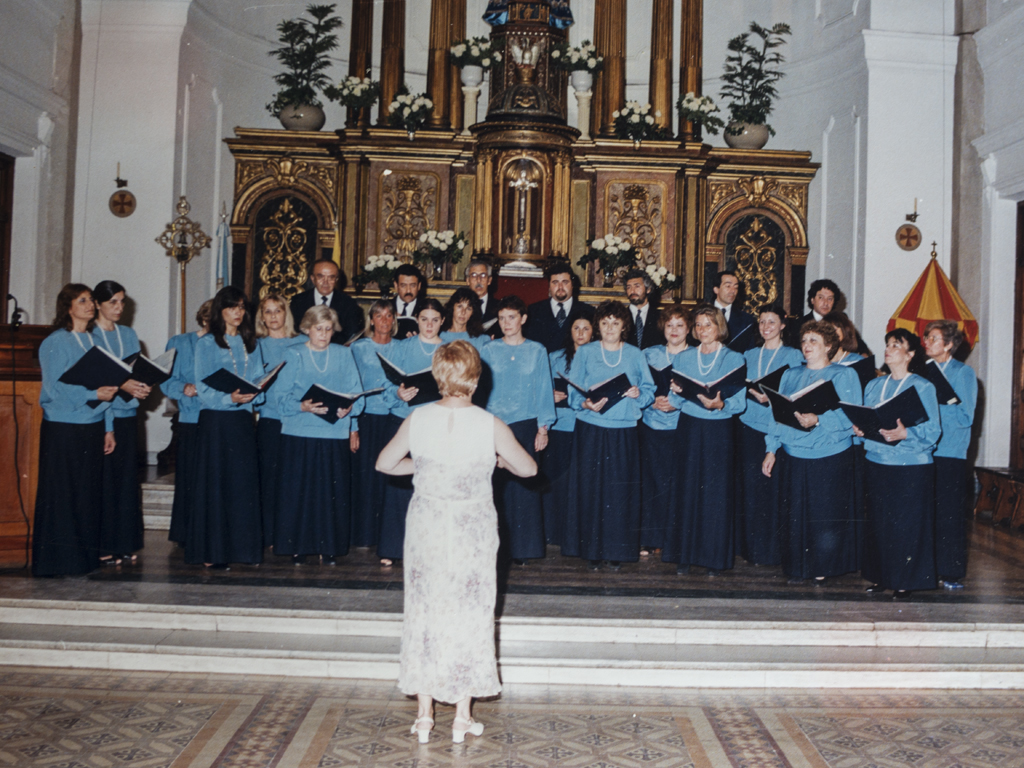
[933, 297]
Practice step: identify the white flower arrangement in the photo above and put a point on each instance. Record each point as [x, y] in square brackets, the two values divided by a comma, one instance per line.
[636, 121]
[611, 251]
[409, 111]
[701, 111]
[439, 248]
[380, 270]
[474, 51]
[662, 278]
[358, 92]
[581, 59]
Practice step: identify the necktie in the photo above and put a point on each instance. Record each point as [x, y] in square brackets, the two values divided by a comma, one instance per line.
[405, 306]
[560, 317]
[639, 328]
[323, 300]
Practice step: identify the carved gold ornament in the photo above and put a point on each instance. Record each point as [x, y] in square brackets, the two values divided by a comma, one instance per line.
[284, 269]
[408, 211]
[635, 215]
[719, 191]
[757, 189]
[286, 171]
[755, 265]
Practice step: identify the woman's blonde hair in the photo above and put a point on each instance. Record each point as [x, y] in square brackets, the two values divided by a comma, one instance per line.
[281, 301]
[456, 368]
[716, 316]
[317, 314]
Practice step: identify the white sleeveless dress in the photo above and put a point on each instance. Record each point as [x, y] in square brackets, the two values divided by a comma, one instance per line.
[450, 562]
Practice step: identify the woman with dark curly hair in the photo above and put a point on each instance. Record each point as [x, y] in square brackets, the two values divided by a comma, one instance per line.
[225, 525]
[899, 539]
[463, 319]
[72, 443]
[603, 516]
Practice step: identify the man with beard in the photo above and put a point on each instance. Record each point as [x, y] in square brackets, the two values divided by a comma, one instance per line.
[644, 332]
[549, 321]
[408, 282]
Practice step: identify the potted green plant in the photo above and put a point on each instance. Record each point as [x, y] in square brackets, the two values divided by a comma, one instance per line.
[751, 72]
[304, 53]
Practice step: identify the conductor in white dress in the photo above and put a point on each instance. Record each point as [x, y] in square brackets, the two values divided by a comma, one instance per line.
[451, 542]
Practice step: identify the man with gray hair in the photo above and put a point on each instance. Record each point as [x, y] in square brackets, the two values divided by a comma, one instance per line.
[479, 279]
[644, 332]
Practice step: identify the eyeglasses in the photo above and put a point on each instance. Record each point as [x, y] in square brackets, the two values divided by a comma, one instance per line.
[477, 274]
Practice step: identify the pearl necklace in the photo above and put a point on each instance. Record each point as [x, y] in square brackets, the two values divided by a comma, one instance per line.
[89, 336]
[234, 363]
[610, 365]
[312, 359]
[700, 366]
[423, 350]
[760, 358]
[120, 343]
[885, 384]
[668, 357]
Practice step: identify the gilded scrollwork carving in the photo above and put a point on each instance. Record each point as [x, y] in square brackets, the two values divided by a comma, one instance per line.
[757, 189]
[323, 174]
[720, 191]
[408, 208]
[756, 259]
[286, 170]
[795, 195]
[635, 214]
[247, 171]
[284, 269]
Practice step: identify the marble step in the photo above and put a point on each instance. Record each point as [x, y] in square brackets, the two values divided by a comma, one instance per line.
[157, 500]
[531, 650]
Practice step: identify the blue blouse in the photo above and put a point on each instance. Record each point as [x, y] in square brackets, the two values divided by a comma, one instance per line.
[520, 382]
[761, 362]
[335, 369]
[182, 374]
[68, 403]
[210, 358]
[275, 351]
[921, 440]
[957, 419]
[658, 357]
[565, 418]
[688, 363]
[371, 373]
[411, 355]
[589, 367]
[120, 342]
[834, 433]
[479, 342]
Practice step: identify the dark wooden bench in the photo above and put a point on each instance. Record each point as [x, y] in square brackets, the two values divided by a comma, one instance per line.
[1001, 494]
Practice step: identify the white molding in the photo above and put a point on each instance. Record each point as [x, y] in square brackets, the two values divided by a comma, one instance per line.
[134, 16]
[30, 92]
[910, 51]
[1002, 38]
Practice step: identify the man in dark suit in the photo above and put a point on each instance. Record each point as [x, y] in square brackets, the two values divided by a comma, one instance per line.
[479, 279]
[329, 289]
[742, 325]
[823, 297]
[408, 284]
[549, 321]
[644, 332]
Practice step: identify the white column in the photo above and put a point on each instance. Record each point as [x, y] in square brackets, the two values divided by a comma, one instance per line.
[909, 152]
[128, 114]
[471, 96]
[583, 112]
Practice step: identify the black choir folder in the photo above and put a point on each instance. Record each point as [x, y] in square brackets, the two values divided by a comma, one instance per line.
[944, 392]
[150, 372]
[817, 398]
[771, 381]
[561, 385]
[728, 385]
[334, 400]
[614, 389]
[227, 382]
[662, 380]
[97, 368]
[865, 368]
[422, 380]
[906, 406]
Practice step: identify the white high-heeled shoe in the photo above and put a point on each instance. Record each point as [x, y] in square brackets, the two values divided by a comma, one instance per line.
[422, 734]
[459, 734]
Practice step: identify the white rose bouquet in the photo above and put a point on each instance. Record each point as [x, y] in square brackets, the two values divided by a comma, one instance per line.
[700, 110]
[474, 51]
[581, 59]
[662, 278]
[635, 121]
[409, 112]
[358, 92]
[439, 248]
[611, 252]
[379, 270]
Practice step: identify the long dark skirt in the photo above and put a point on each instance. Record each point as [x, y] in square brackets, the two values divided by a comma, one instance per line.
[701, 531]
[758, 515]
[268, 443]
[314, 508]
[520, 514]
[225, 524]
[554, 465]
[69, 499]
[602, 521]
[899, 536]
[121, 527]
[397, 495]
[367, 483]
[819, 535]
[658, 494]
[186, 442]
[859, 502]
[951, 482]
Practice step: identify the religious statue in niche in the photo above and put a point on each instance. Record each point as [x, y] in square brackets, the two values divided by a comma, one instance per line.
[407, 211]
[284, 239]
[635, 215]
[521, 231]
[755, 246]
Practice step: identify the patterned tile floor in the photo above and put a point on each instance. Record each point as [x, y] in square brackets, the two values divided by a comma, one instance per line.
[89, 719]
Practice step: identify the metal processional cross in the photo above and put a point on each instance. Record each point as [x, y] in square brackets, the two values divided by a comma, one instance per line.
[522, 186]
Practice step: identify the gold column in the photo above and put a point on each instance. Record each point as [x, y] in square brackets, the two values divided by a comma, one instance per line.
[560, 215]
[691, 55]
[439, 69]
[458, 32]
[360, 57]
[610, 40]
[660, 88]
[392, 55]
[484, 188]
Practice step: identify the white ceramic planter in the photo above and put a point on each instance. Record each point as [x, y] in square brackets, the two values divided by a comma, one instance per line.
[581, 80]
[302, 117]
[472, 76]
[751, 137]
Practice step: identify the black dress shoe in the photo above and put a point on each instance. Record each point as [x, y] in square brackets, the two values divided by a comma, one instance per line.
[328, 560]
[615, 565]
[594, 565]
[219, 567]
[714, 572]
[794, 580]
[298, 559]
[820, 581]
[875, 589]
[520, 560]
[901, 594]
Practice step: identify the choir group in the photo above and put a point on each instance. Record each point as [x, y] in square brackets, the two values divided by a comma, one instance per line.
[633, 462]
